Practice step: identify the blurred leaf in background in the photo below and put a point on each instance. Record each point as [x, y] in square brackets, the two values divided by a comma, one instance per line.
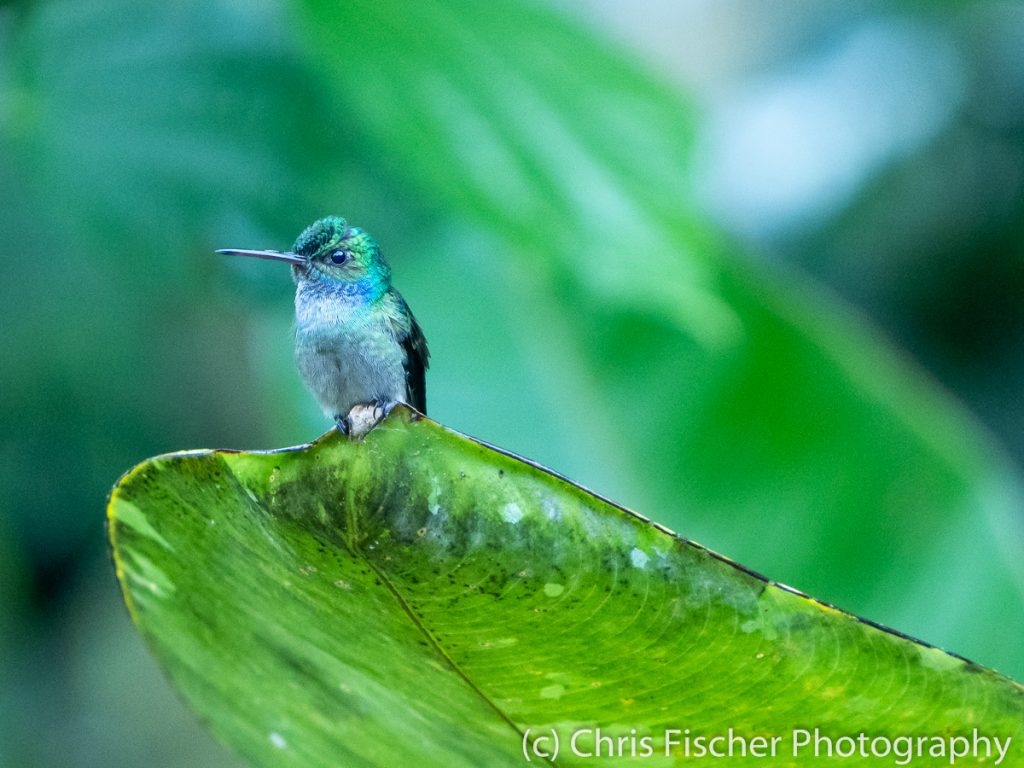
[721, 399]
[534, 190]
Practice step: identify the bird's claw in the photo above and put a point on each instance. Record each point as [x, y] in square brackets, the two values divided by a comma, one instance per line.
[364, 417]
[381, 409]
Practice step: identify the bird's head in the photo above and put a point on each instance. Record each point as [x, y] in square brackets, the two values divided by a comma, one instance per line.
[331, 251]
[335, 251]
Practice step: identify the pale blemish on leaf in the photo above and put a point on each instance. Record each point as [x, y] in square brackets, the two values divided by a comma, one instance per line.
[433, 503]
[552, 691]
[638, 557]
[277, 740]
[760, 624]
[512, 513]
[550, 507]
[933, 658]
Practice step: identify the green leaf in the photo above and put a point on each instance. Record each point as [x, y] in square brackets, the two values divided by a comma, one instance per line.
[420, 598]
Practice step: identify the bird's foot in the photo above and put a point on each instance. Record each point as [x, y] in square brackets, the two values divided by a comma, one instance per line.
[364, 417]
[341, 422]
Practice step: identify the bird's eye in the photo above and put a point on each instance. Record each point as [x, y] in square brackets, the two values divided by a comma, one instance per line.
[339, 257]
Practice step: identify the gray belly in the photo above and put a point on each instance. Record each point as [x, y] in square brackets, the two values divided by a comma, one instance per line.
[343, 370]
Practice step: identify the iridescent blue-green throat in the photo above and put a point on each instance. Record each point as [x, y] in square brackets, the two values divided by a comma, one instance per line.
[356, 340]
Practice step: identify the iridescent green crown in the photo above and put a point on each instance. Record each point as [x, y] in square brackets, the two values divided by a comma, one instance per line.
[319, 235]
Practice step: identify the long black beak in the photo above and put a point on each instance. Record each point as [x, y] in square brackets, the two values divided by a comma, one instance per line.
[285, 256]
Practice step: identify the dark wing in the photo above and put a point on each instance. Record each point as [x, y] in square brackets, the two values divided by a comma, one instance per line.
[417, 359]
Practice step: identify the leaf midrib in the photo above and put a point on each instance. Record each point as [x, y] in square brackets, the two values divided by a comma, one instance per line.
[435, 644]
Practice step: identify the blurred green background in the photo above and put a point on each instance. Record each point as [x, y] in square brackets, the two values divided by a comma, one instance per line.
[663, 248]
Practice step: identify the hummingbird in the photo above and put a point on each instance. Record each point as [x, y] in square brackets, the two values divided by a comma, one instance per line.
[357, 342]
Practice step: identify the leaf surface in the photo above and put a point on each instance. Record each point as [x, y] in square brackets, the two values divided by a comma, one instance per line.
[422, 598]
